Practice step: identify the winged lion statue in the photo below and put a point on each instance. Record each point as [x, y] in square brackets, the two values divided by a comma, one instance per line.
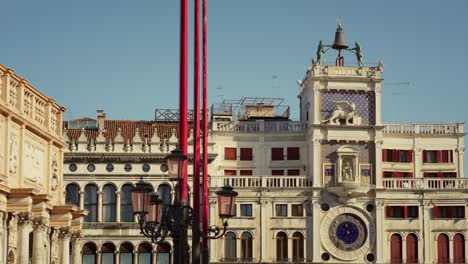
[344, 111]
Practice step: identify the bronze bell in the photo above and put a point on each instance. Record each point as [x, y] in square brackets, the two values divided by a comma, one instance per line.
[340, 41]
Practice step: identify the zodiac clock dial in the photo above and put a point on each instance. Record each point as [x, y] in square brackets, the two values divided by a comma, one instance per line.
[347, 232]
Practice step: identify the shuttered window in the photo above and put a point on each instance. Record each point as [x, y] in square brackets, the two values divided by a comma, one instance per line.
[293, 153]
[277, 154]
[246, 154]
[230, 153]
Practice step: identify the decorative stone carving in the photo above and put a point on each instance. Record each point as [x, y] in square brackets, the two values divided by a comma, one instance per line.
[54, 165]
[164, 146]
[13, 159]
[344, 113]
[34, 162]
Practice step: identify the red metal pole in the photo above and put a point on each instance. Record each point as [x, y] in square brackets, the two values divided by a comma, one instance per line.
[196, 137]
[205, 131]
[183, 96]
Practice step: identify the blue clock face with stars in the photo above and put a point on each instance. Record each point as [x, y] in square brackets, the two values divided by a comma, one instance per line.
[347, 232]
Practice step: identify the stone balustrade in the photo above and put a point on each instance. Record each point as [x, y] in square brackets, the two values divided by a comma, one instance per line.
[426, 183]
[259, 126]
[426, 129]
[239, 182]
[19, 96]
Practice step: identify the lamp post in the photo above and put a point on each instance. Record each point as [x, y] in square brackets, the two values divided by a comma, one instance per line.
[158, 221]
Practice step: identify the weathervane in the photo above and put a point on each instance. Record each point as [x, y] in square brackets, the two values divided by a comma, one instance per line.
[339, 44]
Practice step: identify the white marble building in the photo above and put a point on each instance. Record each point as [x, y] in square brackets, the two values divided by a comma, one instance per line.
[337, 186]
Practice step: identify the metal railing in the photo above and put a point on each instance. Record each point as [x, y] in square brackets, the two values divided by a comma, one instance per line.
[259, 126]
[426, 183]
[262, 181]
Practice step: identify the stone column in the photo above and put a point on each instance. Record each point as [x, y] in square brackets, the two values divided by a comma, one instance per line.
[76, 250]
[403, 248]
[24, 228]
[81, 200]
[378, 104]
[39, 251]
[379, 231]
[99, 257]
[316, 166]
[135, 257]
[451, 248]
[316, 231]
[117, 209]
[212, 220]
[461, 158]
[64, 236]
[154, 256]
[417, 161]
[378, 164]
[99, 209]
[117, 257]
[3, 246]
[264, 231]
[426, 235]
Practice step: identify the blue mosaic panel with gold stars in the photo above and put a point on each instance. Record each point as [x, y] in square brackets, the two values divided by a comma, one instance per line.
[348, 232]
[364, 104]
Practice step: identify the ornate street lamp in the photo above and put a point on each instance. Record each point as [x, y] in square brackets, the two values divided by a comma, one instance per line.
[158, 220]
[177, 163]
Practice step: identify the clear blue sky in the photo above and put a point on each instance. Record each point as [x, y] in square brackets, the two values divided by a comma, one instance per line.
[122, 56]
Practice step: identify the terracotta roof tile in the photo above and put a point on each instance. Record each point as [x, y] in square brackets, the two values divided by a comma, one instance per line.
[128, 128]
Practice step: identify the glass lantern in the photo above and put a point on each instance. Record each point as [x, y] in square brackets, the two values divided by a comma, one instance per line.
[155, 209]
[141, 197]
[177, 163]
[226, 202]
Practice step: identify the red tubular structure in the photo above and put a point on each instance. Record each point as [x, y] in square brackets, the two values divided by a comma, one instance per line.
[196, 130]
[183, 96]
[205, 132]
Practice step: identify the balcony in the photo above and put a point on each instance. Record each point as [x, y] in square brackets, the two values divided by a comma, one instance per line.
[270, 182]
[425, 129]
[426, 184]
[259, 126]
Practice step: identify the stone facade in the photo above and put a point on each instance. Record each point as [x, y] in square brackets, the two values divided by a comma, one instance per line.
[309, 191]
[32, 211]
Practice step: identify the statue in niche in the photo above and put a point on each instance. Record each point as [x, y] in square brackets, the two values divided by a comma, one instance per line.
[13, 160]
[54, 182]
[345, 112]
[347, 171]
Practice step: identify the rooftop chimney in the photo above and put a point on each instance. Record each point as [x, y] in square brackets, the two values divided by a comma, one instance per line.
[101, 117]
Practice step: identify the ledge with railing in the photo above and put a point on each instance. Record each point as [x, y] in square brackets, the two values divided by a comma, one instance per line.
[259, 126]
[425, 129]
[278, 182]
[426, 183]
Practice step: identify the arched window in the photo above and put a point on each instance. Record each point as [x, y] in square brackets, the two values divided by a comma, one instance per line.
[72, 194]
[230, 247]
[281, 247]
[164, 253]
[459, 248]
[108, 253]
[109, 203]
[144, 254]
[164, 192]
[126, 253]
[126, 211]
[246, 246]
[411, 248]
[395, 249]
[89, 253]
[90, 202]
[298, 247]
[443, 255]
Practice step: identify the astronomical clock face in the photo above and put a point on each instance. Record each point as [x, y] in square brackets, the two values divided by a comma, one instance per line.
[347, 232]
